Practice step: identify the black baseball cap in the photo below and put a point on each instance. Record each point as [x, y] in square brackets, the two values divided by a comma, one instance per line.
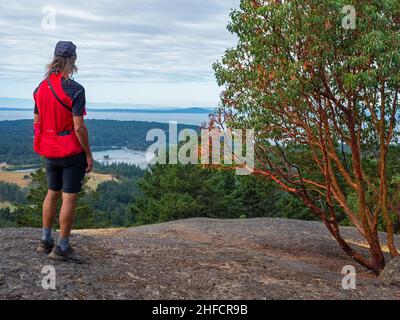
[65, 49]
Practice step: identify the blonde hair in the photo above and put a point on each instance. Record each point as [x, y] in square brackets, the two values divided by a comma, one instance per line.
[64, 65]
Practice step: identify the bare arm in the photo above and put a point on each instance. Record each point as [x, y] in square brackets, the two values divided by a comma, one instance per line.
[36, 118]
[83, 137]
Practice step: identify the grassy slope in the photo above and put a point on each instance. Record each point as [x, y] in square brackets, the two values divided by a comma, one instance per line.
[20, 179]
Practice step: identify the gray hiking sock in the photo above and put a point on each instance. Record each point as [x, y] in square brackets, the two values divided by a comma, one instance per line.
[46, 235]
[64, 244]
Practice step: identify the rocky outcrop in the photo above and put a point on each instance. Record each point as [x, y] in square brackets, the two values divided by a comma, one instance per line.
[192, 259]
[391, 273]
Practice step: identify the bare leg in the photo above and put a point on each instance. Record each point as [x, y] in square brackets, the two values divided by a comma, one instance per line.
[64, 252]
[67, 213]
[49, 208]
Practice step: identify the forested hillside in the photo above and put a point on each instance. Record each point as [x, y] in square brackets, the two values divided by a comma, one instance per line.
[107, 206]
[178, 192]
[16, 137]
[163, 193]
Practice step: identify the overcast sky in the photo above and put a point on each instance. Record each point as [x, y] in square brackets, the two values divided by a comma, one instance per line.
[143, 52]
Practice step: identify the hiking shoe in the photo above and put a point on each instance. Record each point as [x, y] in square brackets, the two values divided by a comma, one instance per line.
[45, 247]
[69, 255]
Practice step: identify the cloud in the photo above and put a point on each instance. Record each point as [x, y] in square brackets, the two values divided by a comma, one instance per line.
[128, 41]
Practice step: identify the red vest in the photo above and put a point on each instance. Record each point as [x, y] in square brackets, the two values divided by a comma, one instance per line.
[55, 137]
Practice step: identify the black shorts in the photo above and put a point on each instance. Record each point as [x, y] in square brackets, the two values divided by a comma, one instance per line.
[66, 174]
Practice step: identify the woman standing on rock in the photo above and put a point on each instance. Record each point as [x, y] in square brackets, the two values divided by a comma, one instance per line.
[61, 137]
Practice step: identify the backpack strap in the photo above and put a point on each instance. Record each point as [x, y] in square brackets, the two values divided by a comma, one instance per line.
[63, 104]
[56, 96]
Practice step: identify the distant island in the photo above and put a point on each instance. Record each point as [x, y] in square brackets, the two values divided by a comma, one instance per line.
[163, 110]
[11, 104]
[166, 110]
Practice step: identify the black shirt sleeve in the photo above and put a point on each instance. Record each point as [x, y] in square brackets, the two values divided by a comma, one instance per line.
[79, 104]
[77, 94]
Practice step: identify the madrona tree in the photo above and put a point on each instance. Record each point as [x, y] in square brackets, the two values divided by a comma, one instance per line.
[319, 82]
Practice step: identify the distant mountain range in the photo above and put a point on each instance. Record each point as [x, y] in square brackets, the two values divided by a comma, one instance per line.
[192, 110]
[12, 104]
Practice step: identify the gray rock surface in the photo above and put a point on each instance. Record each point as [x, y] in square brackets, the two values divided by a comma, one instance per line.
[391, 273]
[192, 259]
